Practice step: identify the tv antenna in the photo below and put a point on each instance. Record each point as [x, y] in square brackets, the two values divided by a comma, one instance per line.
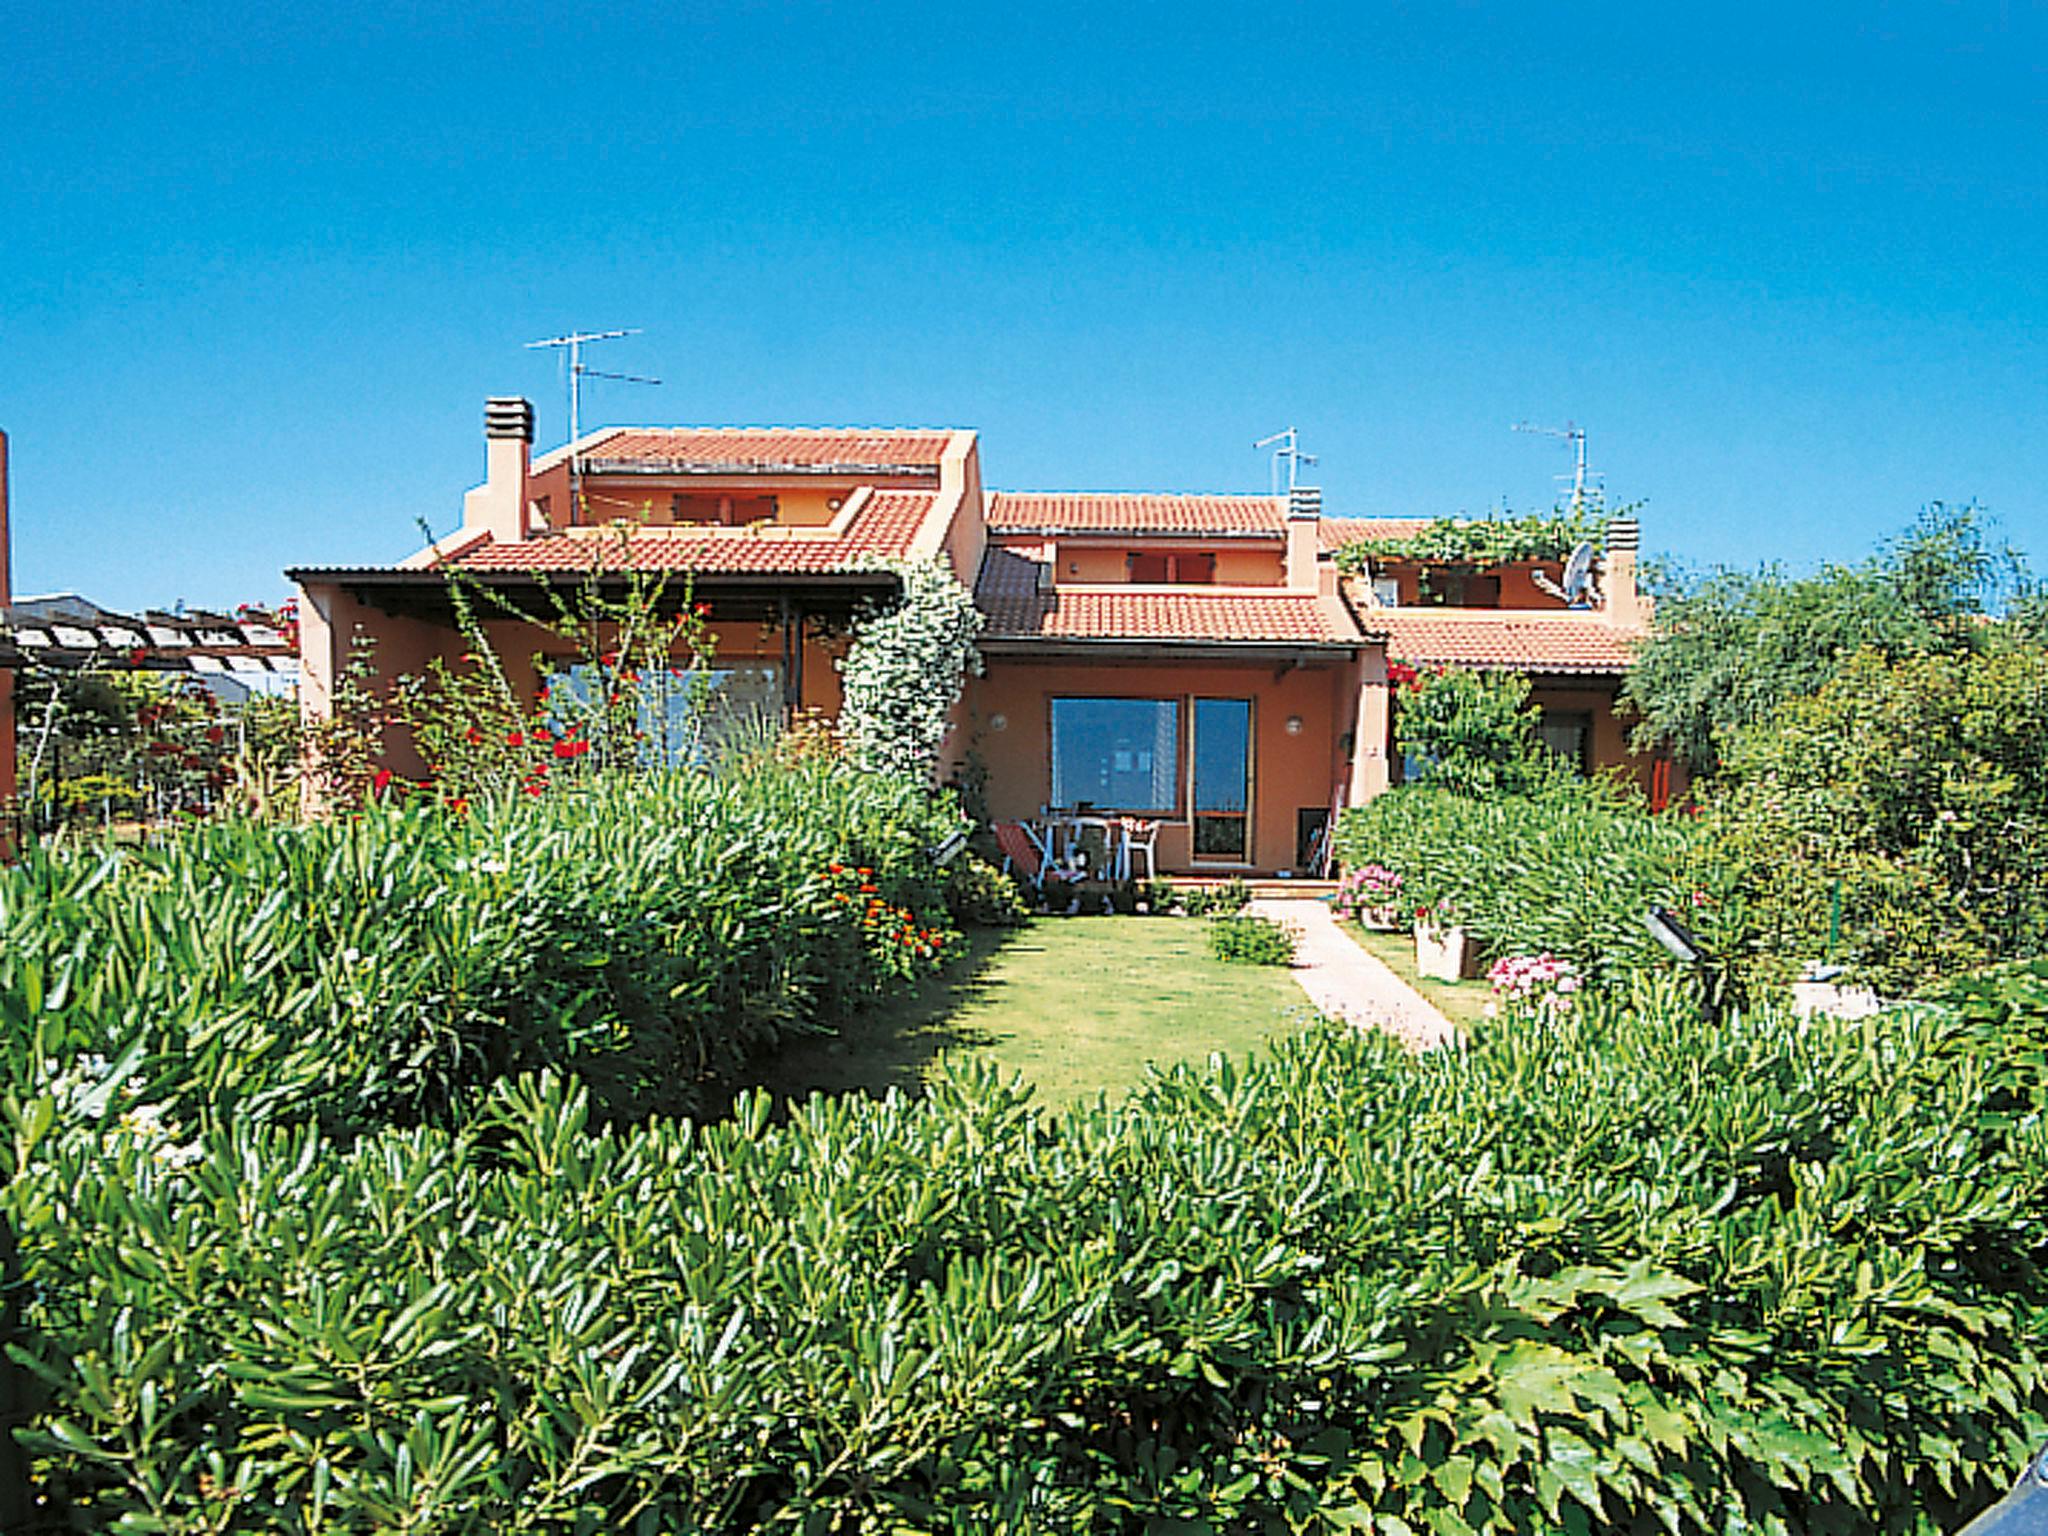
[1574, 434]
[1286, 445]
[573, 344]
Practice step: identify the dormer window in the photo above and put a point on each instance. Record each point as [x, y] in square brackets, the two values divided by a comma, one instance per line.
[1156, 569]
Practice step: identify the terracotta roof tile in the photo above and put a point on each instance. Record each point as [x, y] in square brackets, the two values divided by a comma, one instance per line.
[1501, 639]
[1008, 593]
[1132, 512]
[758, 448]
[1339, 531]
[886, 525]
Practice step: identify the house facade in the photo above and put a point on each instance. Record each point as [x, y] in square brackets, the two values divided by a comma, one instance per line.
[1200, 661]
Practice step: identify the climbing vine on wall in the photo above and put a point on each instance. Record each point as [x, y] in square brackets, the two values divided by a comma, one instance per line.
[905, 671]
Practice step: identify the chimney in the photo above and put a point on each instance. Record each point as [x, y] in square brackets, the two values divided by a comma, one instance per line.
[499, 504]
[1304, 536]
[1625, 604]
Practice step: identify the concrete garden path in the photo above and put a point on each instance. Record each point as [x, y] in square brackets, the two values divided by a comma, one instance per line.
[1347, 983]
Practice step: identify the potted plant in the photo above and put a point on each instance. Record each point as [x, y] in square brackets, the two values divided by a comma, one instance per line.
[1444, 951]
[1371, 897]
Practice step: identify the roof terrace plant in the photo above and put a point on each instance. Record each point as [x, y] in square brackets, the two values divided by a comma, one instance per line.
[1479, 541]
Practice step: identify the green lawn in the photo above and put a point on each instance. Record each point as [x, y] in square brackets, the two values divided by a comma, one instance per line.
[1078, 1005]
[1462, 1002]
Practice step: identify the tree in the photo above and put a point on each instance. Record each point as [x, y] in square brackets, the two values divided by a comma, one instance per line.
[1475, 731]
[1897, 820]
[1730, 647]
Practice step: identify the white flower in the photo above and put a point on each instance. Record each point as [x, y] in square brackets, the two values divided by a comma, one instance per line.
[179, 1157]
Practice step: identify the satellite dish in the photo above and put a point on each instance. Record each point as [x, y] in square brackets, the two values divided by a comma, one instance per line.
[1578, 590]
[1578, 573]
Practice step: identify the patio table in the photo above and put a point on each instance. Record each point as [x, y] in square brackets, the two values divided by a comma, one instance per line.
[1062, 829]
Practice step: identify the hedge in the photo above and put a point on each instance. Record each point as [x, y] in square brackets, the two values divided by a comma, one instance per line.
[646, 936]
[1613, 1271]
[1571, 871]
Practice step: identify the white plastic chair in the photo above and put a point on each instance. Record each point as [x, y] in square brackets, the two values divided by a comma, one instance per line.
[1140, 837]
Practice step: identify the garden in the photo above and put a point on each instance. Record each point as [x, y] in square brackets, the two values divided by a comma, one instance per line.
[451, 1162]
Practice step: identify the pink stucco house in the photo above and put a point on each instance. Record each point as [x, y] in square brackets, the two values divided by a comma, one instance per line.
[1194, 659]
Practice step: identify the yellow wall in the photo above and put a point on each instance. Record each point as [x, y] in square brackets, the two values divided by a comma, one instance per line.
[1288, 772]
[1237, 565]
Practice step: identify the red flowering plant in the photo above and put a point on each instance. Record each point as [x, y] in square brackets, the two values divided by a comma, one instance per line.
[895, 942]
[612, 668]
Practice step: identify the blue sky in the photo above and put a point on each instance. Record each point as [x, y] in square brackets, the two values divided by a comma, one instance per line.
[1788, 264]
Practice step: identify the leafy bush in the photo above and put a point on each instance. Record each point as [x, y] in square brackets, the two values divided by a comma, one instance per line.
[1252, 941]
[1570, 871]
[1602, 1271]
[1475, 732]
[1219, 900]
[646, 935]
[981, 896]
[1905, 804]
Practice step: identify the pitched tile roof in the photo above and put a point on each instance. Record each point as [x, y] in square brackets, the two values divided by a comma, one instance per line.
[1008, 593]
[752, 449]
[1339, 531]
[1156, 513]
[885, 525]
[1501, 639]
[1132, 512]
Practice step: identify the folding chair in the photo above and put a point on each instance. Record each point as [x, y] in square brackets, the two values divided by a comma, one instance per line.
[1020, 852]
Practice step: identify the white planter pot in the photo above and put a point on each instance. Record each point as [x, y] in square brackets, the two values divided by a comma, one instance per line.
[1446, 954]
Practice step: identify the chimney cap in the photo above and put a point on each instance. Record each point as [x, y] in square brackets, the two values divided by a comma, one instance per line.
[509, 416]
[1305, 501]
[1623, 533]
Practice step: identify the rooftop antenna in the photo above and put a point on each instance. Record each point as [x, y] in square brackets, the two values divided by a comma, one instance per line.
[1286, 445]
[1574, 434]
[573, 344]
[1578, 590]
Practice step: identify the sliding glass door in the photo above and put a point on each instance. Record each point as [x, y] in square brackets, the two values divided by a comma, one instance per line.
[1220, 770]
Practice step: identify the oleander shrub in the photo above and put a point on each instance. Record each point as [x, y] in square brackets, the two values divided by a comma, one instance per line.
[1251, 941]
[1600, 1271]
[1571, 871]
[645, 935]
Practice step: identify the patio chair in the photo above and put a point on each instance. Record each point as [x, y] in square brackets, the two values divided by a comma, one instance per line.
[1020, 852]
[1140, 837]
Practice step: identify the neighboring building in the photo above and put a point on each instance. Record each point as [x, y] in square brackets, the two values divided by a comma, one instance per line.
[1193, 659]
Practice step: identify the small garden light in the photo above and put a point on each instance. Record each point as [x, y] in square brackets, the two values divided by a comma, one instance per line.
[1674, 936]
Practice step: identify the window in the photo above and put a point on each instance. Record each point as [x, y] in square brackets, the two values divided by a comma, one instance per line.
[1223, 779]
[1569, 735]
[1116, 754]
[1464, 589]
[1150, 568]
[688, 718]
